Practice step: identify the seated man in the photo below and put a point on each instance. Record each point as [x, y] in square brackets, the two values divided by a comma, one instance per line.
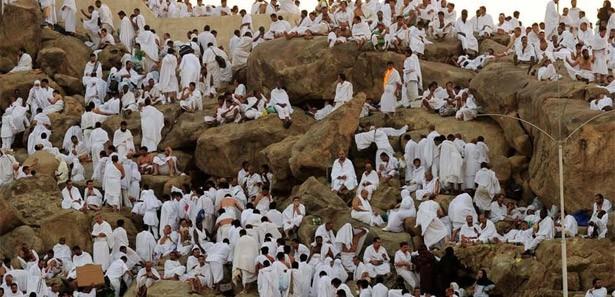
[525, 52]
[167, 243]
[24, 63]
[280, 102]
[71, 198]
[93, 197]
[145, 161]
[469, 231]
[487, 230]
[165, 164]
[363, 212]
[440, 28]
[376, 259]
[173, 269]
[146, 277]
[360, 31]
[343, 176]
[402, 211]
[369, 179]
[293, 215]
[389, 167]
[191, 99]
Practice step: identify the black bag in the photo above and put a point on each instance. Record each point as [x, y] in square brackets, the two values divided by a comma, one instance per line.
[221, 62]
[185, 49]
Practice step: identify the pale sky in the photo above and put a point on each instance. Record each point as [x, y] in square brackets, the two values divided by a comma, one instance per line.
[531, 10]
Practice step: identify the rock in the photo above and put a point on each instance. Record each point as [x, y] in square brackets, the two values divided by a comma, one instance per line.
[494, 45]
[111, 56]
[518, 163]
[22, 82]
[77, 53]
[55, 228]
[29, 201]
[43, 162]
[161, 184]
[186, 130]
[6, 64]
[293, 59]
[11, 242]
[315, 151]
[71, 85]
[502, 39]
[524, 277]
[317, 196]
[385, 197]
[277, 156]
[443, 73]
[221, 150]
[502, 167]
[20, 27]
[165, 288]
[52, 60]
[546, 104]
[443, 50]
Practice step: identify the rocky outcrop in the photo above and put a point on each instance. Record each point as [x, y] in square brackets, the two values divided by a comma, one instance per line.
[541, 275]
[21, 82]
[443, 50]
[23, 235]
[70, 54]
[20, 28]
[111, 56]
[365, 69]
[315, 151]
[546, 104]
[221, 150]
[29, 202]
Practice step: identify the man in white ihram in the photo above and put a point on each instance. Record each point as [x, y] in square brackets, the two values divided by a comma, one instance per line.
[103, 241]
[343, 176]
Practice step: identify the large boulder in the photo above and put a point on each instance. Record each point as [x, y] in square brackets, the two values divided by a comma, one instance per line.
[277, 156]
[162, 184]
[111, 56]
[28, 201]
[11, 243]
[290, 61]
[443, 50]
[517, 277]
[221, 150]
[315, 151]
[20, 28]
[71, 85]
[549, 106]
[443, 73]
[186, 130]
[43, 162]
[76, 54]
[22, 82]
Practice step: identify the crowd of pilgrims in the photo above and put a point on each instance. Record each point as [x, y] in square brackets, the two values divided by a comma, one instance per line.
[195, 232]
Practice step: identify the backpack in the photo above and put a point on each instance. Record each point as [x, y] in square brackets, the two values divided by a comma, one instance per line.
[221, 61]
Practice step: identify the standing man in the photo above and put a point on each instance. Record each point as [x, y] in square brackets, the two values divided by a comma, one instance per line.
[106, 18]
[412, 79]
[551, 19]
[103, 241]
[392, 84]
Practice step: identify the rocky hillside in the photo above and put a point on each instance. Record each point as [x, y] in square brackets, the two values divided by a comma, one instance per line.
[300, 157]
